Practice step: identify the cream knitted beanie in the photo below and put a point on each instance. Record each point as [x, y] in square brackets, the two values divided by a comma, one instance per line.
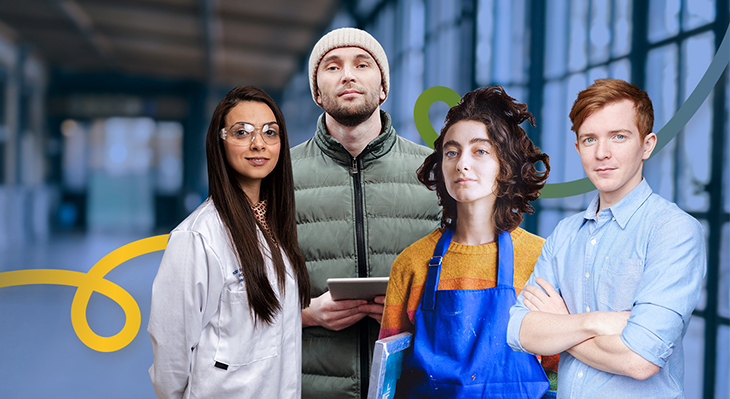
[347, 37]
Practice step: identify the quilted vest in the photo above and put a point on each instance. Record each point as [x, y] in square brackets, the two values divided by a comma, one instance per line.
[354, 216]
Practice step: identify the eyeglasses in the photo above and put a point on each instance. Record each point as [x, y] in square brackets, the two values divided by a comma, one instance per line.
[244, 133]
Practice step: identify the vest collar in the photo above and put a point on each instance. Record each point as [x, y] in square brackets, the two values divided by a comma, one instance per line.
[380, 146]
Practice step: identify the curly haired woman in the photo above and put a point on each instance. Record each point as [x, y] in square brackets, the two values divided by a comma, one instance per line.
[456, 302]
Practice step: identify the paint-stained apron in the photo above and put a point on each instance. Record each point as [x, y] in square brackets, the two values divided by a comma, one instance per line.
[460, 343]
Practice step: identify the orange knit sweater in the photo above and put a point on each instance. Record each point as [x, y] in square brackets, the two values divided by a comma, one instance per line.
[464, 267]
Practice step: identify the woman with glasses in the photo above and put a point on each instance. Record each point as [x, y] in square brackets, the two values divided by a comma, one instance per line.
[453, 288]
[226, 302]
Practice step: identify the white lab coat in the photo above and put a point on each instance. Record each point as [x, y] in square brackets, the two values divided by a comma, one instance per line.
[200, 321]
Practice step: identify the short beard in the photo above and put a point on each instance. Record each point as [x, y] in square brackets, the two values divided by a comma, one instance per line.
[346, 116]
[350, 118]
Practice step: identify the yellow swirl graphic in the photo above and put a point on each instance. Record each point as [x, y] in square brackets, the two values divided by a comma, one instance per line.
[92, 281]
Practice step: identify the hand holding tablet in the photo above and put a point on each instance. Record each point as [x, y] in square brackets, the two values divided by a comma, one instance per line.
[366, 288]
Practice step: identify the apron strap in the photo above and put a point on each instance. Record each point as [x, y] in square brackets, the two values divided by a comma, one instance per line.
[505, 254]
[434, 269]
[505, 267]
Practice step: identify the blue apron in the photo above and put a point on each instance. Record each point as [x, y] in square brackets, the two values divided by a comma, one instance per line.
[460, 344]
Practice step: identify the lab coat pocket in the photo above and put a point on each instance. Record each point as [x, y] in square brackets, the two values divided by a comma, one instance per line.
[240, 341]
[618, 282]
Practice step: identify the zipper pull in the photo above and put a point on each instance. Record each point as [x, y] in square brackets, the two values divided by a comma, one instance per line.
[354, 165]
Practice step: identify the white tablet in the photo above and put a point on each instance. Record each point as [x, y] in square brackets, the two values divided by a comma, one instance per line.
[357, 288]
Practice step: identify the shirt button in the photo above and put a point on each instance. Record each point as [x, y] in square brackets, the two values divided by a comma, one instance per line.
[587, 275]
[593, 241]
[613, 218]
[588, 308]
[580, 375]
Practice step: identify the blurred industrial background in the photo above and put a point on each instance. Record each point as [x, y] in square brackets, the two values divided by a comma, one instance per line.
[104, 106]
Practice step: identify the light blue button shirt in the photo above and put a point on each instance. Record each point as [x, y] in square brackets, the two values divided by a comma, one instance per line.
[643, 254]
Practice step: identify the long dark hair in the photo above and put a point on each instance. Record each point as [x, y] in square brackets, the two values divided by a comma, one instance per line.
[518, 181]
[235, 210]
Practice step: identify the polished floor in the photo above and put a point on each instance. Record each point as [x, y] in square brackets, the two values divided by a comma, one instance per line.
[42, 355]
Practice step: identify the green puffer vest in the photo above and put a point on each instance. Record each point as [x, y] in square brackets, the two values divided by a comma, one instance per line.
[354, 216]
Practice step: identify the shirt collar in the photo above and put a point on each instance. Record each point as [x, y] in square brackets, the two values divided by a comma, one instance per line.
[590, 213]
[625, 207]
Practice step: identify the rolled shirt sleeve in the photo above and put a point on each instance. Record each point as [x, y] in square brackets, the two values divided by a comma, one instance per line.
[669, 289]
[518, 311]
[643, 254]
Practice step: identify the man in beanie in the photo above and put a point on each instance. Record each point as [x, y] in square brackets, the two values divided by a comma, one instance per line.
[359, 204]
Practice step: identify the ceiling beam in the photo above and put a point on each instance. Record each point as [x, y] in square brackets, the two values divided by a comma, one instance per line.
[158, 7]
[78, 17]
